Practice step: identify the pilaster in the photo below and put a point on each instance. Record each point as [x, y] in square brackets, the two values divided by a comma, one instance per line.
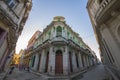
[66, 61]
[80, 61]
[87, 60]
[36, 62]
[51, 65]
[43, 61]
[84, 60]
[74, 63]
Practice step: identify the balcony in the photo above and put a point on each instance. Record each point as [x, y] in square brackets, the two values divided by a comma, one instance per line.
[105, 9]
[8, 12]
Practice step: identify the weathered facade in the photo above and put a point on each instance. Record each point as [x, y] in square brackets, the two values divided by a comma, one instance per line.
[13, 15]
[28, 51]
[105, 18]
[60, 51]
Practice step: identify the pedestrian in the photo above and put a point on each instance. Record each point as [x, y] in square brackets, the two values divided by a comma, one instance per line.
[12, 66]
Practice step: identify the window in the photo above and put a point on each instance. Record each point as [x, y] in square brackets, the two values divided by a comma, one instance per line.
[59, 31]
[12, 3]
[68, 34]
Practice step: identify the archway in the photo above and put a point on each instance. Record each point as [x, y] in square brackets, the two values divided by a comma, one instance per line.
[58, 62]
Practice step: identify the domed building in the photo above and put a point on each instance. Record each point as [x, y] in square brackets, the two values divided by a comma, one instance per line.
[60, 51]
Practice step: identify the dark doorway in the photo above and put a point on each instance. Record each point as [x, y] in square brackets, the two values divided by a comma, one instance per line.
[47, 59]
[70, 59]
[59, 62]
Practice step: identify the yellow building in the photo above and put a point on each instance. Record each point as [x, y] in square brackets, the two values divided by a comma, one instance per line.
[16, 59]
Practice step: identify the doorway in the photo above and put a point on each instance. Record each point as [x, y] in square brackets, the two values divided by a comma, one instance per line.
[59, 62]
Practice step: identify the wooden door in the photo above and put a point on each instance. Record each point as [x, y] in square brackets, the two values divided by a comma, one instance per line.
[59, 63]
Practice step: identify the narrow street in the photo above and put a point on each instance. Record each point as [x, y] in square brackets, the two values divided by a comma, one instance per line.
[23, 75]
[96, 73]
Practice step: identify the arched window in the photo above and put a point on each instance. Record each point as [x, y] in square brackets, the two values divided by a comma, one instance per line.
[59, 31]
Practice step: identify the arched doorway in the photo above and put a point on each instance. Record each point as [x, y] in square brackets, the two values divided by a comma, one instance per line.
[58, 62]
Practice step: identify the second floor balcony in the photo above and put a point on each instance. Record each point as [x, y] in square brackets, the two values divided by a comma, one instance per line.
[9, 12]
[105, 10]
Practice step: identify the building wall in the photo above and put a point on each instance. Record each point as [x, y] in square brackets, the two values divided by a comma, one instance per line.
[105, 21]
[51, 31]
[12, 20]
[59, 50]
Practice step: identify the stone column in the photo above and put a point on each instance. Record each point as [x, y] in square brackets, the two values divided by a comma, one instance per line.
[74, 63]
[87, 61]
[80, 61]
[66, 61]
[51, 65]
[36, 62]
[84, 60]
[90, 61]
[43, 61]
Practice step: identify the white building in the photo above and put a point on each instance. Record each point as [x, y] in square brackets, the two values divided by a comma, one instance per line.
[60, 51]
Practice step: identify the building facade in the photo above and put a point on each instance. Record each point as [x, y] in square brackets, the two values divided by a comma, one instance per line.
[13, 15]
[21, 53]
[60, 51]
[16, 59]
[28, 51]
[105, 18]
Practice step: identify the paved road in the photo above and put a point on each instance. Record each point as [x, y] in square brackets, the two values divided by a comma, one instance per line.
[23, 75]
[96, 73]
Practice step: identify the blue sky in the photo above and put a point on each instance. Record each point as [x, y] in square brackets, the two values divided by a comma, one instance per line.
[75, 14]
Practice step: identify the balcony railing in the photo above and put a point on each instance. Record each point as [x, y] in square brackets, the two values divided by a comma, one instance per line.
[9, 12]
[103, 5]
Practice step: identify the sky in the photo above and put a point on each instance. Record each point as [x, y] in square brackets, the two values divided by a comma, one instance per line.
[75, 14]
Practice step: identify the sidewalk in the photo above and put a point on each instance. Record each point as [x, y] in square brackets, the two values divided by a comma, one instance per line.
[97, 73]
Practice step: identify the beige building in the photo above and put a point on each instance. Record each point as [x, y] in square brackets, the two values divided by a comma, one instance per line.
[13, 15]
[105, 18]
[28, 51]
[60, 51]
